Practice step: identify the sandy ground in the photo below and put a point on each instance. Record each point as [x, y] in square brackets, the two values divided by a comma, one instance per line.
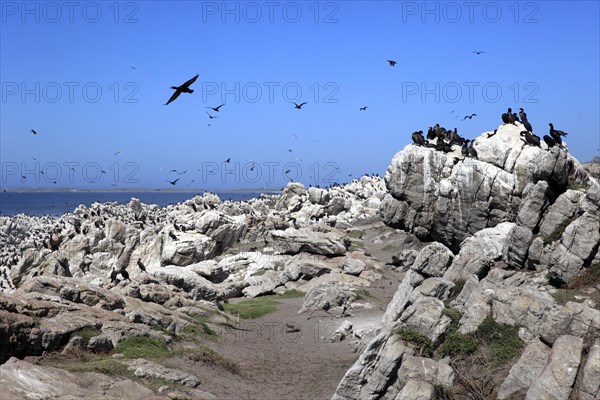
[277, 364]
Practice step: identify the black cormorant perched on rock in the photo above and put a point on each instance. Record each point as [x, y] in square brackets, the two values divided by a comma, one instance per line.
[556, 131]
[531, 139]
[549, 141]
[113, 275]
[418, 138]
[522, 114]
[472, 151]
[172, 236]
[465, 148]
[492, 134]
[431, 134]
[506, 116]
[185, 88]
[125, 274]
[527, 125]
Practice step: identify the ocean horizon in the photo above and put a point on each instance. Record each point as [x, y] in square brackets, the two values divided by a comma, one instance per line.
[57, 202]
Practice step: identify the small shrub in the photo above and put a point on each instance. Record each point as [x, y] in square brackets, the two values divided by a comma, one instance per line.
[457, 344]
[502, 339]
[142, 347]
[207, 355]
[362, 294]
[577, 186]
[563, 296]
[108, 366]
[422, 344]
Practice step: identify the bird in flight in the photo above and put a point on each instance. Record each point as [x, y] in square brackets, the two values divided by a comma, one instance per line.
[229, 159]
[469, 116]
[34, 132]
[216, 108]
[132, 67]
[299, 106]
[211, 116]
[295, 135]
[363, 108]
[173, 182]
[478, 52]
[117, 153]
[185, 88]
[392, 62]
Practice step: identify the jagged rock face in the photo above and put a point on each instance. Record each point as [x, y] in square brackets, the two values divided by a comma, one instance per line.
[442, 197]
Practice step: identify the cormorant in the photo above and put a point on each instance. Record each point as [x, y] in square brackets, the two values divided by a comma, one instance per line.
[469, 116]
[216, 108]
[392, 62]
[363, 108]
[527, 125]
[125, 274]
[505, 116]
[549, 141]
[472, 151]
[431, 134]
[465, 148]
[172, 236]
[185, 88]
[299, 106]
[113, 275]
[418, 138]
[522, 114]
[492, 134]
[531, 139]
[478, 52]
[556, 131]
[173, 182]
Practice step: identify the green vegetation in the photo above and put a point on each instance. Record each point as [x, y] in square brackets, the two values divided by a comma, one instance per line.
[388, 247]
[422, 344]
[201, 328]
[355, 234]
[577, 186]
[108, 366]
[557, 234]
[259, 306]
[86, 333]
[563, 296]
[142, 347]
[207, 355]
[458, 345]
[502, 341]
[362, 294]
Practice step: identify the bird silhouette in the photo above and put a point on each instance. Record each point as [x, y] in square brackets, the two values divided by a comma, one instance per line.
[363, 108]
[392, 62]
[478, 52]
[34, 131]
[173, 182]
[211, 116]
[216, 108]
[229, 159]
[141, 265]
[132, 67]
[299, 106]
[172, 236]
[185, 88]
[117, 153]
[469, 116]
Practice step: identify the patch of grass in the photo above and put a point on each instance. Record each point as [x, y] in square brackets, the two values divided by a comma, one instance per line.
[252, 308]
[454, 316]
[563, 296]
[201, 328]
[207, 355]
[355, 234]
[362, 294]
[577, 186]
[502, 340]
[458, 344]
[422, 344]
[142, 347]
[557, 233]
[86, 333]
[590, 277]
[107, 366]
[290, 294]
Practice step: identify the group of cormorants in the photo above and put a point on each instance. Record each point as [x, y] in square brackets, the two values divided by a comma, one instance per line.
[445, 140]
[553, 139]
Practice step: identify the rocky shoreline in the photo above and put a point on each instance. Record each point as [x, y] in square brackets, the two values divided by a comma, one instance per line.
[508, 242]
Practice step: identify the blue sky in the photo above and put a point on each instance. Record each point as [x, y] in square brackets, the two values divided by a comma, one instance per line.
[67, 73]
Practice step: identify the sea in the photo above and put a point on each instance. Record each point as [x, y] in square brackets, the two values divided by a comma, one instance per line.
[58, 203]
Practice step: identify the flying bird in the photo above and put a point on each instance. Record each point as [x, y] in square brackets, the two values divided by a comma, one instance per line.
[229, 159]
[469, 116]
[34, 132]
[216, 108]
[132, 67]
[185, 88]
[391, 62]
[211, 116]
[173, 182]
[363, 108]
[478, 52]
[299, 106]
[117, 153]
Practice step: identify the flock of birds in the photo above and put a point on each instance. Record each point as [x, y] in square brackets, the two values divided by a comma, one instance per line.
[447, 138]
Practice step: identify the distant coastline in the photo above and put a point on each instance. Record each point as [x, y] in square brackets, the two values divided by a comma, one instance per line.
[134, 190]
